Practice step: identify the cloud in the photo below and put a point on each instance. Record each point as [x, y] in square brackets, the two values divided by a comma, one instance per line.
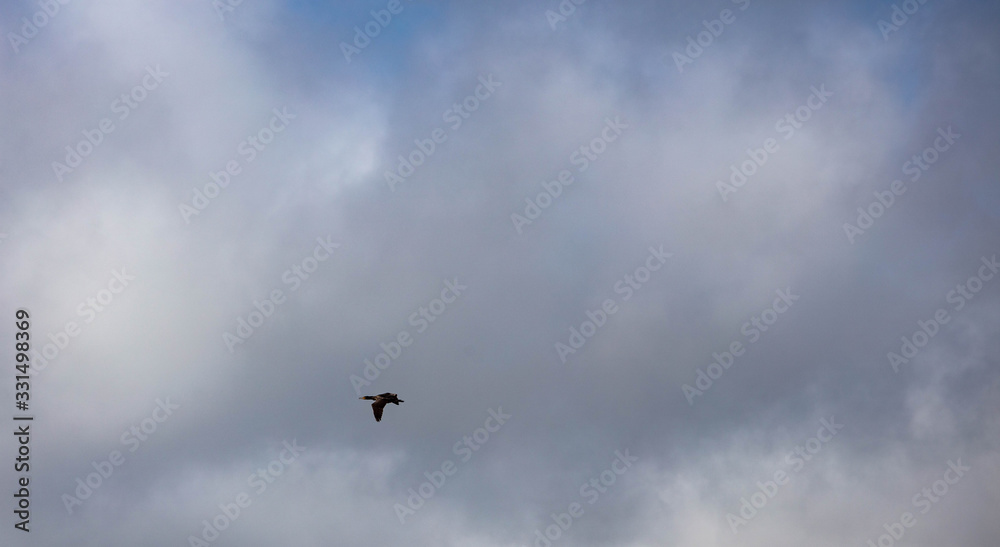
[344, 125]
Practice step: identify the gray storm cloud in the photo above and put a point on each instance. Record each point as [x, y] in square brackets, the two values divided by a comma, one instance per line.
[644, 273]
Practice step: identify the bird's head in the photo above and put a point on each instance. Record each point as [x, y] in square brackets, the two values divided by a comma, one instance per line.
[367, 398]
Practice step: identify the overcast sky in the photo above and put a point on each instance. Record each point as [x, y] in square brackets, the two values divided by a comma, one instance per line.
[644, 273]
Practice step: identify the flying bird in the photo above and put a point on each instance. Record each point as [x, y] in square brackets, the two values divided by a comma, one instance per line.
[380, 402]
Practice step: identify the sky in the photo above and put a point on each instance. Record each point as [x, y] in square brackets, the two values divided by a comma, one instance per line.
[643, 273]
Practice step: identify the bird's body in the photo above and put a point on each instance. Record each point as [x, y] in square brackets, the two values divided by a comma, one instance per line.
[380, 402]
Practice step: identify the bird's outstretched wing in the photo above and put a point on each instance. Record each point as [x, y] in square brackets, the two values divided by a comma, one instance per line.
[377, 407]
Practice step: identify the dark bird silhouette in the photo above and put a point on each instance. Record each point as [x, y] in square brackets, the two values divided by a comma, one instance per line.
[380, 402]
